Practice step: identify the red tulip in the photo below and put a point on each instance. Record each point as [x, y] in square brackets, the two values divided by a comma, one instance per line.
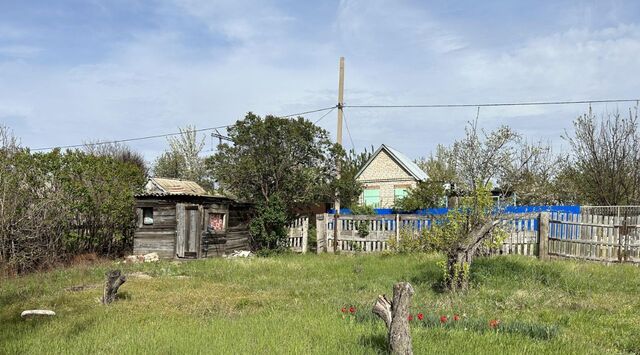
[344, 309]
[443, 319]
[420, 316]
[456, 317]
[410, 317]
[352, 309]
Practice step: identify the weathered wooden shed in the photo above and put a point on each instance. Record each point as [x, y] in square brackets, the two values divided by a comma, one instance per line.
[179, 219]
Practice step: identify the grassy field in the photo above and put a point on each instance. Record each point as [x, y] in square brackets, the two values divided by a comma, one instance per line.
[292, 304]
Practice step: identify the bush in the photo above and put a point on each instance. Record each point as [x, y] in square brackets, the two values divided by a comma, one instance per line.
[410, 241]
[56, 205]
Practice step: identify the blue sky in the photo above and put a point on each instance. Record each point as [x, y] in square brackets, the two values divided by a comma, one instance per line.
[77, 71]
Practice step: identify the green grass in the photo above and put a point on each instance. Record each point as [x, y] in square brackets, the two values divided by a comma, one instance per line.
[291, 304]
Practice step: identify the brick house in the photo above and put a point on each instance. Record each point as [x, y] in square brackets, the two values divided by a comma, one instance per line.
[387, 176]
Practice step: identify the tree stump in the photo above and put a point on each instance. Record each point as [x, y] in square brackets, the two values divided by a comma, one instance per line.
[114, 280]
[395, 315]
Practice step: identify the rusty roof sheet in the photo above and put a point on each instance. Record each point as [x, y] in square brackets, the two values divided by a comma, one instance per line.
[174, 186]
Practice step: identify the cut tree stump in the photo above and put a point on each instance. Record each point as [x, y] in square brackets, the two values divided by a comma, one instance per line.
[395, 315]
[114, 280]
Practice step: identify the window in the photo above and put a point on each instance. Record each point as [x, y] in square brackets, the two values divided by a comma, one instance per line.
[216, 221]
[372, 197]
[147, 216]
[399, 193]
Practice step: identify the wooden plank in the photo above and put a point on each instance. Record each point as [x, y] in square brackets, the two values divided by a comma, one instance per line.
[180, 229]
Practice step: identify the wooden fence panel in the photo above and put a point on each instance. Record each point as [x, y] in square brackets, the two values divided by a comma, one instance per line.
[298, 236]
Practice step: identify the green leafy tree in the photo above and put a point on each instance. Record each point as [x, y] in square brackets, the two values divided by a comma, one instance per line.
[183, 160]
[441, 169]
[348, 188]
[282, 165]
[426, 194]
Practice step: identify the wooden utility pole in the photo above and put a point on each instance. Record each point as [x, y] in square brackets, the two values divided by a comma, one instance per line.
[339, 140]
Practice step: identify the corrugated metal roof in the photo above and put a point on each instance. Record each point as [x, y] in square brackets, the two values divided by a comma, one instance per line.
[412, 167]
[404, 161]
[174, 187]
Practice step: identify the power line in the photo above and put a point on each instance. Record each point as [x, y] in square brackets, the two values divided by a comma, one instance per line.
[129, 139]
[172, 134]
[325, 115]
[312, 111]
[532, 103]
[346, 123]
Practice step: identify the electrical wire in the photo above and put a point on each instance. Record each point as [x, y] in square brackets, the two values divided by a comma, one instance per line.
[173, 134]
[129, 139]
[312, 111]
[325, 115]
[532, 103]
[346, 123]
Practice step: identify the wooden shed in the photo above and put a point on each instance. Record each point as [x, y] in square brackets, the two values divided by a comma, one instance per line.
[179, 219]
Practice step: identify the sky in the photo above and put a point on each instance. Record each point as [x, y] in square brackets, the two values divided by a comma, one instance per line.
[81, 71]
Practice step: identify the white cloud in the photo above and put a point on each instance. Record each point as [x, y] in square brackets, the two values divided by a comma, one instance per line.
[395, 54]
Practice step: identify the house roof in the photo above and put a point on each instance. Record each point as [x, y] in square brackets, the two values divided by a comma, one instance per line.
[402, 160]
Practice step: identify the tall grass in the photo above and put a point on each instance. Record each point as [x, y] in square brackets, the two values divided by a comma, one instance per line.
[292, 304]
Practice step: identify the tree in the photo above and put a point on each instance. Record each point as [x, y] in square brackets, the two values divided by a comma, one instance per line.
[348, 188]
[118, 151]
[605, 153]
[54, 205]
[183, 160]
[426, 194]
[533, 174]
[282, 165]
[479, 158]
[169, 165]
[440, 167]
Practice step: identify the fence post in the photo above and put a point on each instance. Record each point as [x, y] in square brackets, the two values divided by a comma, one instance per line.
[543, 236]
[305, 234]
[326, 232]
[397, 229]
[321, 225]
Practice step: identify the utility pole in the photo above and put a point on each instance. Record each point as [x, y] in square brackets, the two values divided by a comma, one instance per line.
[339, 140]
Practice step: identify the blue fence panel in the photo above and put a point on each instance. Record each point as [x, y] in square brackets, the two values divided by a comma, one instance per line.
[571, 209]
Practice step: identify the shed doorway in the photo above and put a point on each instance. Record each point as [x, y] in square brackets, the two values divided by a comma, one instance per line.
[188, 231]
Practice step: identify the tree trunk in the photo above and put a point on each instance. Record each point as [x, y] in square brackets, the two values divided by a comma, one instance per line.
[114, 280]
[395, 316]
[458, 266]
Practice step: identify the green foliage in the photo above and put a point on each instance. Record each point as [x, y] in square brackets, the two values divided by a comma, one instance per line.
[347, 187]
[460, 236]
[58, 204]
[312, 239]
[409, 241]
[363, 210]
[363, 226]
[268, 226]
[283, 165]
[427, 194]
[183, 161]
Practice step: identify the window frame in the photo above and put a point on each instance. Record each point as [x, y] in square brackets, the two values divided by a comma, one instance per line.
[144, 216]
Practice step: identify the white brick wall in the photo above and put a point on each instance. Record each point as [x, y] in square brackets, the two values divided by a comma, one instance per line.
[386, 174]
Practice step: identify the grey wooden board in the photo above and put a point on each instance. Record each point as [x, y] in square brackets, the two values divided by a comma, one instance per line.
[180, 229]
